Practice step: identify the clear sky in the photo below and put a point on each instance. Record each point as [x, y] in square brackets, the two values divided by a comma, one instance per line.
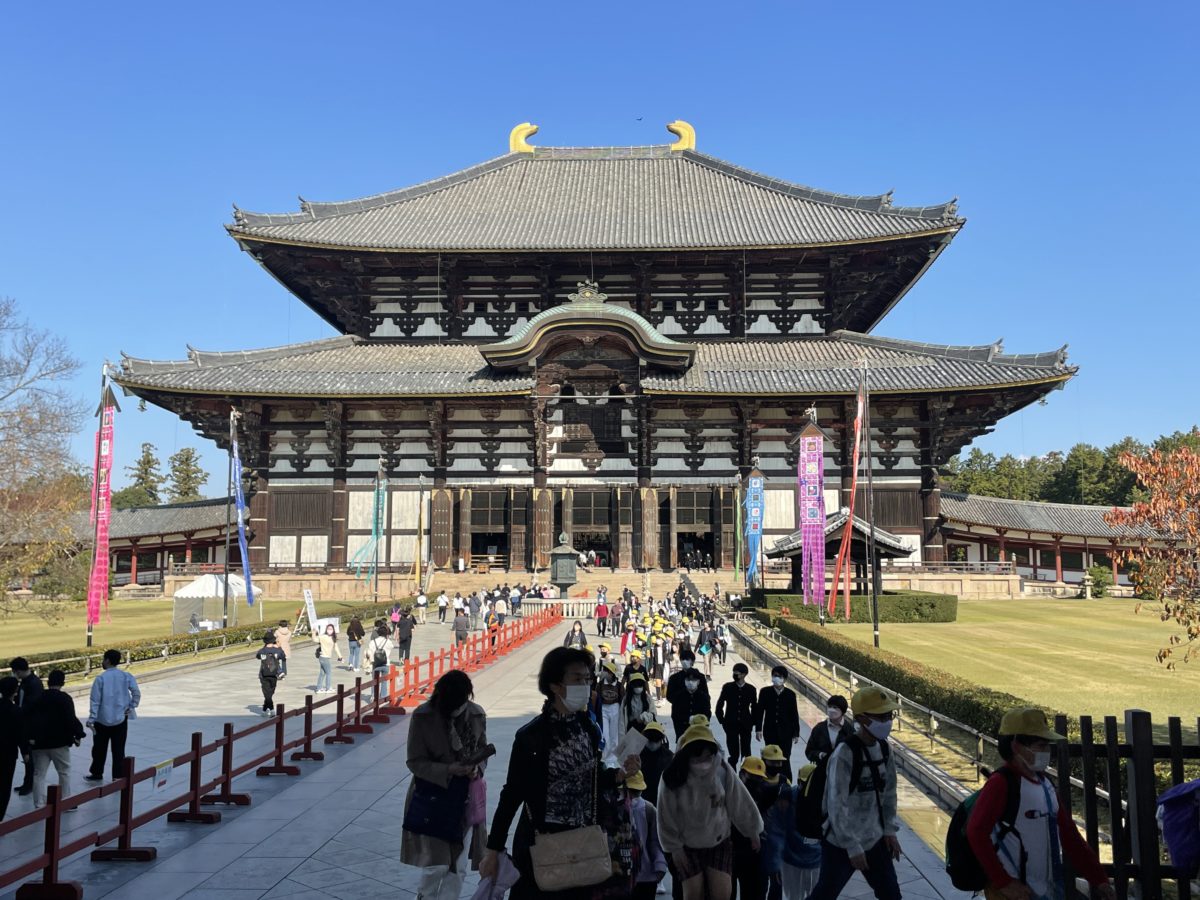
[1068, 131]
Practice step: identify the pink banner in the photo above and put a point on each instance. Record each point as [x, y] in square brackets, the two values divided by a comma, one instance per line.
[101, 515]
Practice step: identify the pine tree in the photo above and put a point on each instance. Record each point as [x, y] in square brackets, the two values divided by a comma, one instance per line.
[186, 476]
[145, 473]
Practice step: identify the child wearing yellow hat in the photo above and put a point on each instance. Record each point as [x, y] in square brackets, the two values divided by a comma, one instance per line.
[701, 802]
[652, 862]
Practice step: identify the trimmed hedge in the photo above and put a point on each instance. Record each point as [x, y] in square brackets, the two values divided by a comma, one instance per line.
[971, 704]
[242, 637]
[894, 607]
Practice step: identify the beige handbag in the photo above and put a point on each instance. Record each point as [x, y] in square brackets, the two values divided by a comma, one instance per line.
[570, 859]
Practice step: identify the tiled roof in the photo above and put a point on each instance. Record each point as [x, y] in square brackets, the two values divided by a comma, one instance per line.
[170, 518]
[1067, 519]
[791, 544]
[351, 367]
[598, 198]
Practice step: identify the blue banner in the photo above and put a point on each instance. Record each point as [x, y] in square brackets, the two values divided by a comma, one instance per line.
[240, 502]
[754, 522]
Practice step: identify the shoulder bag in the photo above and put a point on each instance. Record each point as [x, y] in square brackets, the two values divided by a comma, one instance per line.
[571, 859]
[437, 811]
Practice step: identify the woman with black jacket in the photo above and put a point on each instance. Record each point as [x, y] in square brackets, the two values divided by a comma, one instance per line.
[825, 735]
[575, 637]
[554, 772]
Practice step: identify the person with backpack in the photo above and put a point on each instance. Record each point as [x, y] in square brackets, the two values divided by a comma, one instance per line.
[797, 817]
[656, 756]
[1016, 830]
[824, 736]
[270, 669]
[700, 803]
[749, 882]
[777, 719]
[736, 709]
[651, 861]
[53, 729]
[860, 803]
[377, 652]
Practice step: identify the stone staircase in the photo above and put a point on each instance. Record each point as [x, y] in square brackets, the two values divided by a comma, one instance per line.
[655, 583]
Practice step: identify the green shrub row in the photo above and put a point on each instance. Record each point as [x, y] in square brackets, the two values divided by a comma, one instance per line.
[894, 607]
[971, 704]
[241, 637]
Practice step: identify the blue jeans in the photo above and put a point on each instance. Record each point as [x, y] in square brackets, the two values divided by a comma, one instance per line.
[355, 655]
[325, 674]
[836, 871]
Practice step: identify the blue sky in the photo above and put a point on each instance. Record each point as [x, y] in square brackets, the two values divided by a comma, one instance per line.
[1067, 130]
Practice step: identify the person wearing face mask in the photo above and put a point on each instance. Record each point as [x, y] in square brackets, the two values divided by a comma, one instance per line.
[609, 693]
[700, 803]
[825, 735]
[637, 709]
[605, 656]
[554, 772]
[737, 706]
[656, 756]
[448, 730]
[778, 716]
[687, 692]
[1024, 860]
[860, 804]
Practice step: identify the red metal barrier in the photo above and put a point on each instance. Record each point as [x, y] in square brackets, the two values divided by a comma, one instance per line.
[390, 694]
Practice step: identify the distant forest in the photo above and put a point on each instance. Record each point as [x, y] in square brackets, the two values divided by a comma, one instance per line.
[1086, 474]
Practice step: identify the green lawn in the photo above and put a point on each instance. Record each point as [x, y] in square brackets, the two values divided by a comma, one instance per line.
[1079, 656]
[24, 632]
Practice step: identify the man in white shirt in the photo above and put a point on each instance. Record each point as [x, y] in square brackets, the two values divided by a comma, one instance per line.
[442, 603]
[114, 701]
[422, 605]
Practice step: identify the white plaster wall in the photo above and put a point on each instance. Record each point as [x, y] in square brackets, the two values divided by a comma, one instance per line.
[780, 511]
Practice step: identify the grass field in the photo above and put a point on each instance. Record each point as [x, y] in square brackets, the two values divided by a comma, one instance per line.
[25, 632]
[1079, 656]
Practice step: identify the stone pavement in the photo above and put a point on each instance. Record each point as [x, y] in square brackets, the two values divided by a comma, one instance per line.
[335, 832]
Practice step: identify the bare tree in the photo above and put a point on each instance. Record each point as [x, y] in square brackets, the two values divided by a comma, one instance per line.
[42, 489]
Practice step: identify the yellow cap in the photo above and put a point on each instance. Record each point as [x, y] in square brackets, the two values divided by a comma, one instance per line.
[802, 775]
[609, 667]
[637, 676]
[635, 654]
[698, 733]
[754, 766]
[606, 646]
[636, 781]
[772, 753]
[653, 727]
[698, 719]
[589, 648]
[1030, 721]
[872, 701]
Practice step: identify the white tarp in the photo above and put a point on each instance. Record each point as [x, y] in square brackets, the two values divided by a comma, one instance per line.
[209, 586]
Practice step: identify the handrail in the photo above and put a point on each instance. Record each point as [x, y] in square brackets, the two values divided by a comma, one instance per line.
[373, 702]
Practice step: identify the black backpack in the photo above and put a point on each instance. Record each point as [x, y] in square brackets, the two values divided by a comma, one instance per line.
[269, 667]
[380, 658]
[810, 813]
[962, 865]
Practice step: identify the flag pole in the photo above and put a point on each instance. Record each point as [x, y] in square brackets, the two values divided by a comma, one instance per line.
[96, 487]
[228, 517]
[377, 525]
[872, 562]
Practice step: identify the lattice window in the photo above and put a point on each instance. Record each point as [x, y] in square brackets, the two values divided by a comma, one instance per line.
[590, 509]
[488, 510]
[693, 507]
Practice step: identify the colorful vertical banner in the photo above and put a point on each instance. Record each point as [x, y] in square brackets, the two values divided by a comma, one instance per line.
[368, 554]
[240, 502]
[754, 522]
[810, 477]
[101, 508]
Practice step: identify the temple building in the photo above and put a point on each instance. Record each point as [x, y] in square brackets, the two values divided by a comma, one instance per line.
[596, 341]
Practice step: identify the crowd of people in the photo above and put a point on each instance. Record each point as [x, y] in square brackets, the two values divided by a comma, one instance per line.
[594, 779]
[39, 727]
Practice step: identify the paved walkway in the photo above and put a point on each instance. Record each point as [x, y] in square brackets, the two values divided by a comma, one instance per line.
[335, 832]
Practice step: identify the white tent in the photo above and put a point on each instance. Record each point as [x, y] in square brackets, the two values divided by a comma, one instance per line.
[210, 586]
[201, 603]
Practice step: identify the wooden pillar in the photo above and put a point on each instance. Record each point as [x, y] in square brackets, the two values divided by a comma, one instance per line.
[623, 527]
[1058, 558]
[537, 408]
[1000, 533]
[187, 548]
[133, 551]
[340, 506]
[1112, 558]
[464, 527]
[797, 584]
[441, 526]
[846, 454]
[933, 547]
[645, 457]
[738, 301]
[673, 534]
[518, 542]
[1034, 553]
[648, 523]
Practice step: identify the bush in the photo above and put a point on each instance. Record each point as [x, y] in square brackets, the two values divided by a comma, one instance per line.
[242, 637]
[1101, 581]
[974, 705]
[894, 606]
